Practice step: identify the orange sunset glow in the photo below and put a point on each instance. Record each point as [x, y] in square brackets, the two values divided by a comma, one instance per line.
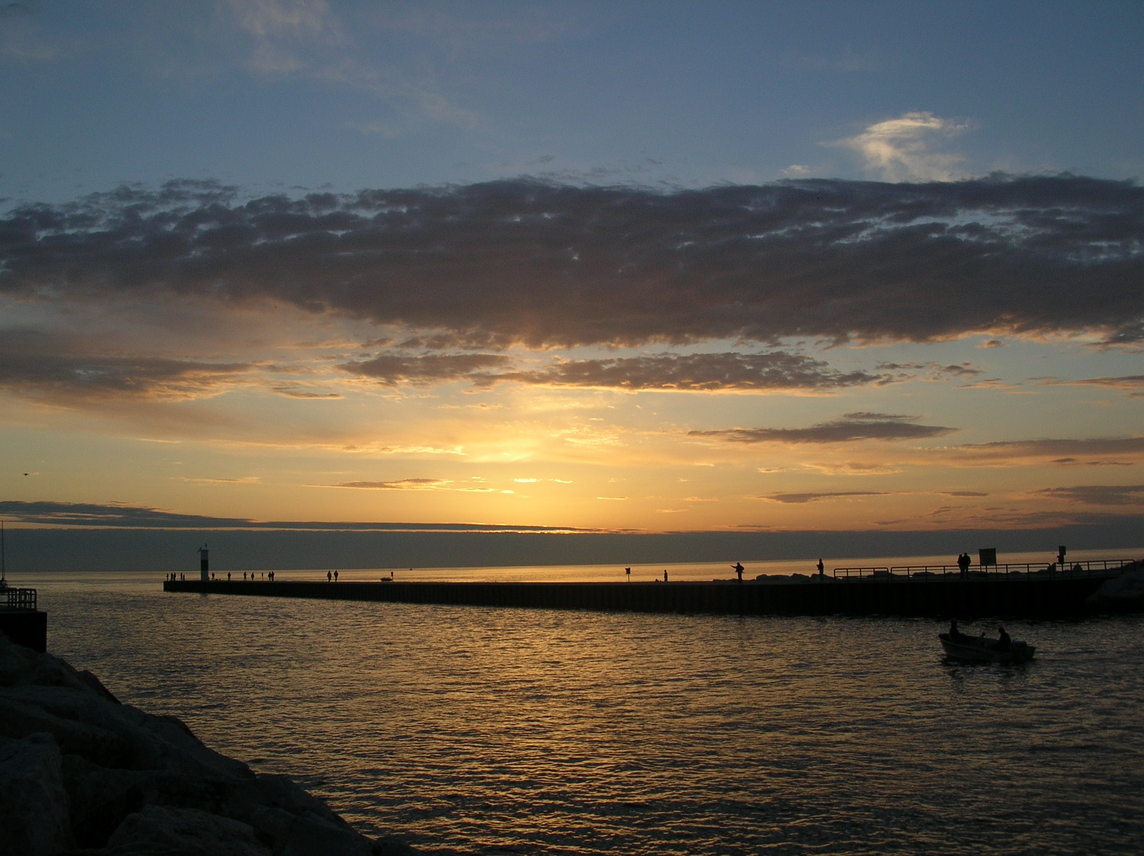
[920, 324]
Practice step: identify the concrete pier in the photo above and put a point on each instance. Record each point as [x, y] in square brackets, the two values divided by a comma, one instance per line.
[941, 596]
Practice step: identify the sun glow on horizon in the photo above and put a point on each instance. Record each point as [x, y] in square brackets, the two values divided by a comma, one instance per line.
[908, 311]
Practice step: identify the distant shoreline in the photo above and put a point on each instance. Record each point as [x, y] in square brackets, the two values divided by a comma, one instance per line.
[176, 550]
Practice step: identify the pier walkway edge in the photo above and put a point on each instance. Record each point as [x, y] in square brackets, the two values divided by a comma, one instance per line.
[924, 595]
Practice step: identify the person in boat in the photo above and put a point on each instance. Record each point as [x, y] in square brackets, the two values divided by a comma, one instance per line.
[1004, 643]
[955, 633]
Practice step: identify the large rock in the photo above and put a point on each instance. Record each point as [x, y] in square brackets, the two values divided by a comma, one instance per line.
[1124, 592]
[35, 803]
[82, 773]
[187, 832]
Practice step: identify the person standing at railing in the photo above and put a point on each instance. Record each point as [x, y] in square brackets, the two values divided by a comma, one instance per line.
[963, 562]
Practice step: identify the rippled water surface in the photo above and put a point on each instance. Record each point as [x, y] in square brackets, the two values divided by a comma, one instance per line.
[467, 730]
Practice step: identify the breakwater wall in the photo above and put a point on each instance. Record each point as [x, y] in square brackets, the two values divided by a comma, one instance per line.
[27, 627]
[1023, 596]
[20, 620]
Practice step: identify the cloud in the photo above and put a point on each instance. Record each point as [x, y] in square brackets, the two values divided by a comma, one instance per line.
[338, 47]
[852, 468]
[1116, 494]
[695, 372]
[1131, 384]
[1064, 451]
[222, 481]
[931, 371]
[281, 18]
[852, 427]
[121, 515]
[418, 484]
[401, 484]
[394, 369]
[800, 498]
[287, 38]
[909, 148]
[21, 39]
[61, 368]
[490, 266]
[308, 394]
[112, 514]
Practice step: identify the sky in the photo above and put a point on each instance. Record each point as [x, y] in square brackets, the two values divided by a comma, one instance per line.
[549, 267]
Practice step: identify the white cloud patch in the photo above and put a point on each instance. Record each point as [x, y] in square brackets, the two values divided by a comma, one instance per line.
[912, 147]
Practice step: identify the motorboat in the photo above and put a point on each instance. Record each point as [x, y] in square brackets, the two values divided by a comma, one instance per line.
[978, 649]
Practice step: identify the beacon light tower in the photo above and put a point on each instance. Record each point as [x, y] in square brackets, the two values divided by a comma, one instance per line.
[204, 563]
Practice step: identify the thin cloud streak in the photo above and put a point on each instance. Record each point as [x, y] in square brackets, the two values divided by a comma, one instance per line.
[61, 368]
[83, 515]
[694, 372]
[854, 426]
[1062, 450]
[801, 498]
[1128, 494]
[1133, 385]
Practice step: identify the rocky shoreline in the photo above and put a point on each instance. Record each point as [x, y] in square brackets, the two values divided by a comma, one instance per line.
[82, 774]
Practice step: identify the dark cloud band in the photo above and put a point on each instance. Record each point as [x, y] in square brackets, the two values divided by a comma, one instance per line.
[550, 265]
[854, 426]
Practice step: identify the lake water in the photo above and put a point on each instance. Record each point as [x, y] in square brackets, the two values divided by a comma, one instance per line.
[468, 730]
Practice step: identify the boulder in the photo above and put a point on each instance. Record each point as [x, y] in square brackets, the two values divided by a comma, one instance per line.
[36, 810]
[186, 832]
[1123, 592]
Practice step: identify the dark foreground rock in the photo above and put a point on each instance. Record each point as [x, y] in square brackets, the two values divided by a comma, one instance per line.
[81, 773]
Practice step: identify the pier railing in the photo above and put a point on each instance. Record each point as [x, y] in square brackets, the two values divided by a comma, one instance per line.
[18, 598]
[1030, 570]
[859, 573]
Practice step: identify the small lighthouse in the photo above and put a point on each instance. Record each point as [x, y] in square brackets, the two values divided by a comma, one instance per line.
[204, 563]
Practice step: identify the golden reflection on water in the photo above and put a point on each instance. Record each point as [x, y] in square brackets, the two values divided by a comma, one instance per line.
[473, 730]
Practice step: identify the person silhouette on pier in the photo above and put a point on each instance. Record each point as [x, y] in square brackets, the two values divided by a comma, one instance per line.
[821, 567]
[963, 562]
[329, 576]
[738, 566]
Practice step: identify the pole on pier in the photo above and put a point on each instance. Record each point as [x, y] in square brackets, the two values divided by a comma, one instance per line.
[204, 563]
